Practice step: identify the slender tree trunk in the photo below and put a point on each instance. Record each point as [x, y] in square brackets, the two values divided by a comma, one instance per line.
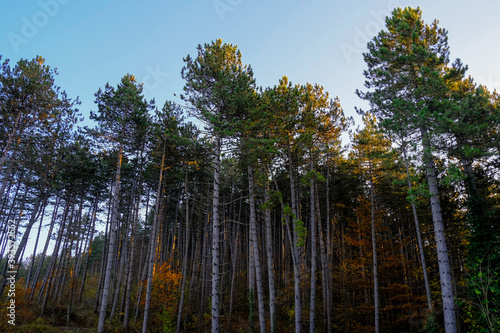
[133, 245]
[216, 241]
[328, 252]
[294, 245]
[234, 254]
[270, 260]
[312, 307]
[33, 257]
[41, 199]
[153, 244]
[295, 259]
[450, 321]
[325, 276]
[419, 236]
[122, 254]
[374, 248]
[47, 283]
[45, 248]
[142, 276]
[89, 248]
[255, 247]
[251, 283]
[104, 255]
[111, 246]
[186, 252]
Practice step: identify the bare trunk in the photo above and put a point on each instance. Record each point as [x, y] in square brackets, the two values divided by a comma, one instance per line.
[46, 246]
[111, 246]
[270, 260]
[186, 252]
[312, 305]
[294, 245]
[9, 265]
[133, 245]
[87, 257]
[419, 236]
[33, 257]
[122, 254]
[255, 247]
[450, 321]
[374, 248]
[325, 276]
[152, 245]
[47, 281]
[216, 241]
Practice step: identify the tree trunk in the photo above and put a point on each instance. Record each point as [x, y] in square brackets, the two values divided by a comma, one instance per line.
[234, 255]
[270, 260]
[133, 245]
[215, 241]
[87, 257]
[374, 248]
[153, 243]
[325, 276]
[41, 199]
[419, 236]
[47, 281]
[255, 247]
[46, 246]
[294, 245]
[450, 321]
[122, 253]
[186, 252]
[312, 305]
[33, 257]
[111, 246]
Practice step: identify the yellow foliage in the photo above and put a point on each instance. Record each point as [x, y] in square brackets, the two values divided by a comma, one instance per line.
[164, 296]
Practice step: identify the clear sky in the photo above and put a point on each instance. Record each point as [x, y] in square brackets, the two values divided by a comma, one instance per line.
[318, 41]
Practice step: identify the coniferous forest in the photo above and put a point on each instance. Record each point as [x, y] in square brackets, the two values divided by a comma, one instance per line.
[241, 210]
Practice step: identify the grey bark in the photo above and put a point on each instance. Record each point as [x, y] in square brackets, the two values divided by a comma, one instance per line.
[41, 199]
[216, 241]
[255, 247]
[152, 245]
[294, 245]
[270, 260]
[312, 307]
[419, 236]
[374, 248]
[111, 246]
[186, 251]
[445, 276]
[128, 291]
[45, 248]
[325, 276]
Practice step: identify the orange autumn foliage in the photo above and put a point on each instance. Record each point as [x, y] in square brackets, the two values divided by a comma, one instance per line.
[164, 296]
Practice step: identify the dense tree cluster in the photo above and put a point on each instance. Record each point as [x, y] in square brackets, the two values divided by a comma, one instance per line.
[255, 217]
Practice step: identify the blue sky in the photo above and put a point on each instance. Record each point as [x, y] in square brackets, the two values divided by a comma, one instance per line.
[318, 41]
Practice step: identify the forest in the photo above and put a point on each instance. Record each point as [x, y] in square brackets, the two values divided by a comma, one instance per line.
[241, 210]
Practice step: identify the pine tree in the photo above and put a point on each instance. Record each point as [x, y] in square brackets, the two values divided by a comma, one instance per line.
[122, 117]
[217, 88]
[407, 65]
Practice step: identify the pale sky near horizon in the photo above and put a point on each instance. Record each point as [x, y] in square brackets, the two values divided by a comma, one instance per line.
[317, 41]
